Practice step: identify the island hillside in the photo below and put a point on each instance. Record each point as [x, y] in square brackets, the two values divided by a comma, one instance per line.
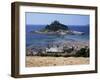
[57, 28]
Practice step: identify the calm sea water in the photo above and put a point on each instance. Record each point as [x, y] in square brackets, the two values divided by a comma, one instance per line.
[43, 39]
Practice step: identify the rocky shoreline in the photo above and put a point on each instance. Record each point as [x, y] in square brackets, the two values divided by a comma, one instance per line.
[60, 32]
[63, 48]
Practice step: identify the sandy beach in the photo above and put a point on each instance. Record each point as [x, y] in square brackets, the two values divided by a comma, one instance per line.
[37, 61]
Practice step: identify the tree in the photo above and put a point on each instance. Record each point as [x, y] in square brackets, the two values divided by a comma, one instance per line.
[83, 52]
[55, 26]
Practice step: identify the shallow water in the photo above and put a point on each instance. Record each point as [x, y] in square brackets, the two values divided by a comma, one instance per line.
[43, 39]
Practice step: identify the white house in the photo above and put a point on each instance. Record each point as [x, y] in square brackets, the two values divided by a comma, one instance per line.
[54, 49]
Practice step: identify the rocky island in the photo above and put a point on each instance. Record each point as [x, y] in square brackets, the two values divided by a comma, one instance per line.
[57, 28]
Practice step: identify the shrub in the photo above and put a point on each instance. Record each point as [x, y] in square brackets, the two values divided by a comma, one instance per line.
[83, 52]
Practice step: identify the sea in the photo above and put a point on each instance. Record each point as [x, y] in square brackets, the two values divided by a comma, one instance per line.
[44, 39]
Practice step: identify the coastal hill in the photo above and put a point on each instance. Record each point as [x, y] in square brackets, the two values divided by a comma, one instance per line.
[55, 26]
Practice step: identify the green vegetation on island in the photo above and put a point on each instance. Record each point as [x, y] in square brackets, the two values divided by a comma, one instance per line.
[57, 28]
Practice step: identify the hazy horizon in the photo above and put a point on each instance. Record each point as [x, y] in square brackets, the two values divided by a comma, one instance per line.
[47, 18]
[48, 24]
